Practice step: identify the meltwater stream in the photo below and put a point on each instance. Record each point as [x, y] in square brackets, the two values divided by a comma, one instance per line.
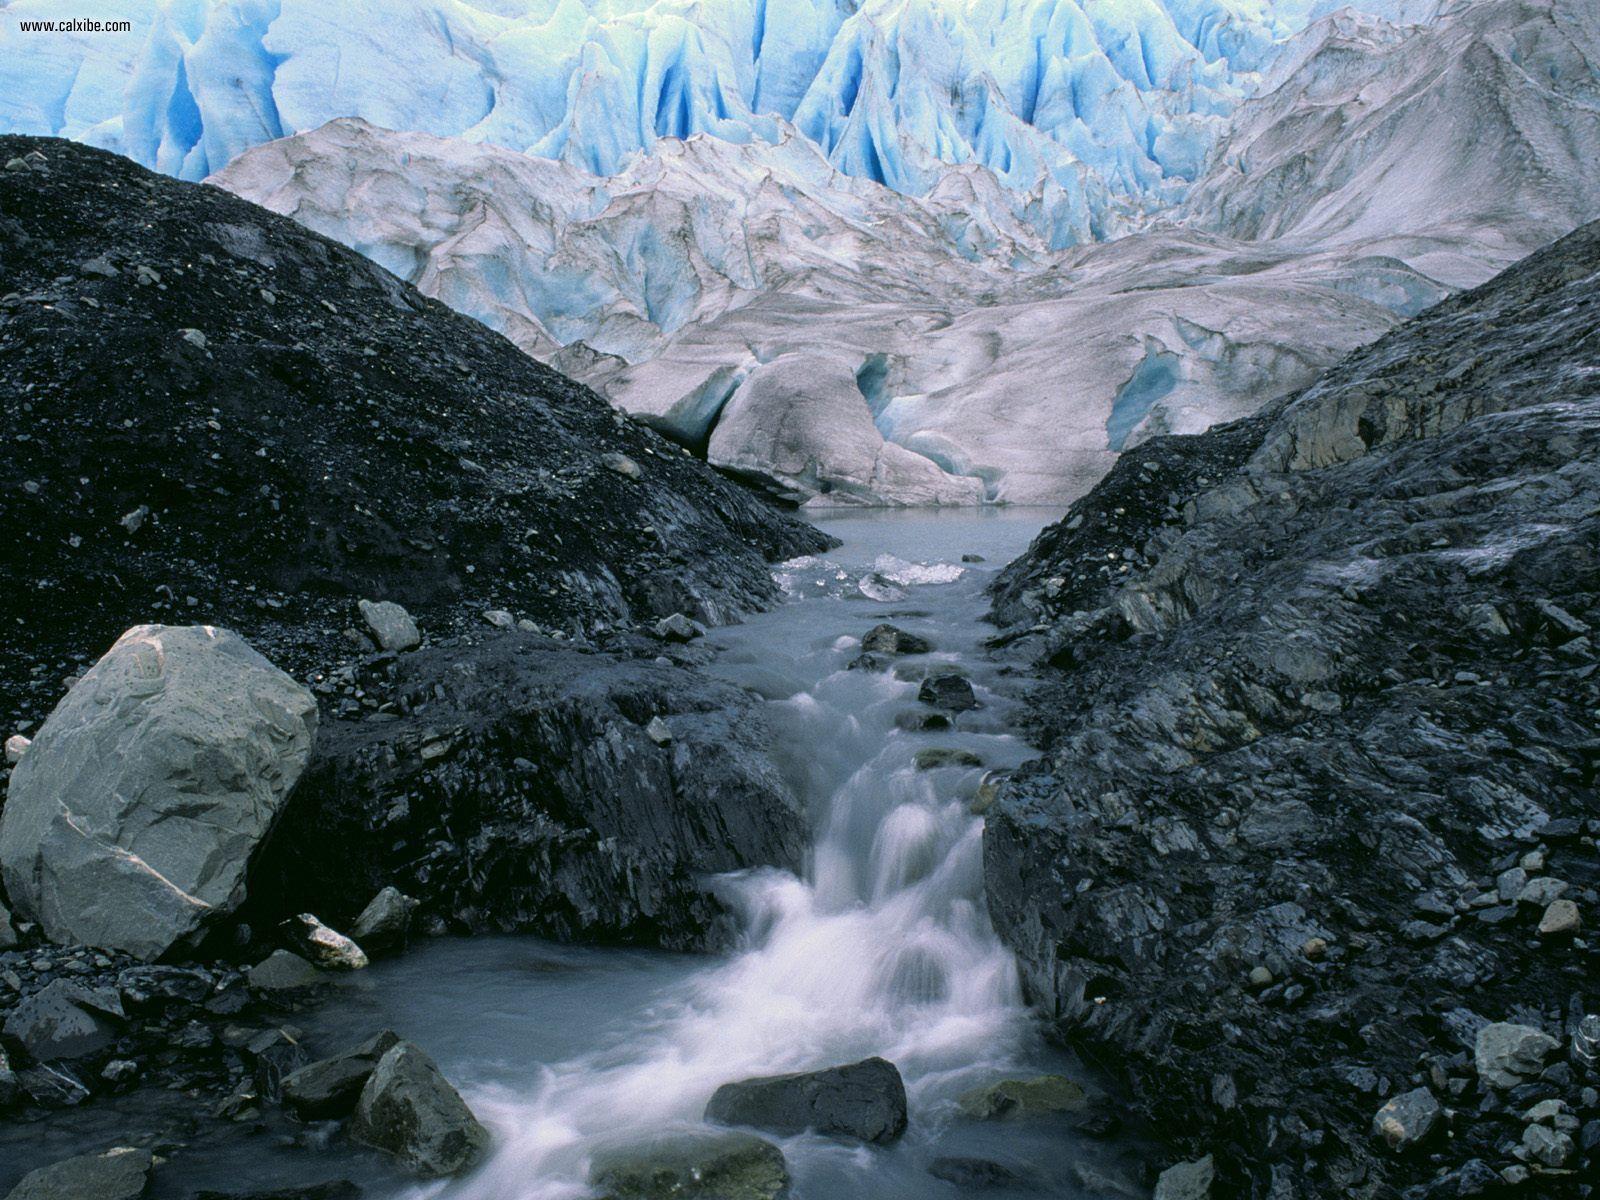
[883, 947]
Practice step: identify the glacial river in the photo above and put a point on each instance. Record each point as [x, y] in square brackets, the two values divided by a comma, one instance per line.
[883, 947]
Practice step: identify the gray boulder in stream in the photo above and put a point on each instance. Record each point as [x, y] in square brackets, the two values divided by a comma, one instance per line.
[864, 1100]
[120, 1174]
[692, 1165]
[133, 817]
[409, 1110]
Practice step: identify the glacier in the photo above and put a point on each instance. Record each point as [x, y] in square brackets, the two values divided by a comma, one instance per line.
[838, 342]
[1091, 113]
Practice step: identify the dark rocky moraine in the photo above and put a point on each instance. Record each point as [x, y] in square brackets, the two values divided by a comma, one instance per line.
[1310, 858]
[214, 415]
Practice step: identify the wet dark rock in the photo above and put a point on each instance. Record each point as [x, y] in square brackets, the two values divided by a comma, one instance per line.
[952, 693]
[338, 1189]
[935, 757]
[409, 1111]
[385, 923]
[348, 439]
[694, 1165]
[63, 1020]
[1293, 720]
[1014, 1099]
[330, 1088]
[977, 1174]
[518, 789]
[864, 1100]
[120, 1174]
[921, 721]
[283, 971]
[889, 640]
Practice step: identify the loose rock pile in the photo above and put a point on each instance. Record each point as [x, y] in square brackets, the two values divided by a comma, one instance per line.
[1311, 858]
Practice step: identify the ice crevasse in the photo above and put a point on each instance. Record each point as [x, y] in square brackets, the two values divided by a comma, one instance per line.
[1090, 112]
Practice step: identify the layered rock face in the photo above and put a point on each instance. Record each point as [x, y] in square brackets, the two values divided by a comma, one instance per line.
[1316, 823]
[522, 785]
[218, 414]
[132, 819]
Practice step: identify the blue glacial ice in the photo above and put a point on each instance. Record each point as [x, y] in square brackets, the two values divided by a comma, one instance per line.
[1102, 109]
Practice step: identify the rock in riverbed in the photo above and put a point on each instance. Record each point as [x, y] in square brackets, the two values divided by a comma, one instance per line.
[864, 1100]
[692, 1165]
[330, 1087]
[321, 946]
[1039, 1096]
[410, 1111]
[133, 817]
[385, 923]
[120, 1174]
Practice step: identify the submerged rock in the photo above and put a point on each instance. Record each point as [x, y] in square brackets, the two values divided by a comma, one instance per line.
[935, 757]
[408, 1110]
[952, 693]
[977, 1174]
[887, 639]
[1187, 1180]
[864, 1100]
[1039, 1096]
[1506, 1054]
[132, 819]
[692, 1165]
[120, 1174]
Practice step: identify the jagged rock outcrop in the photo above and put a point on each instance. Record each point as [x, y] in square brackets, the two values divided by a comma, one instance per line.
[1320, 755]
[215, 413]
[514, 784]
[134, 816]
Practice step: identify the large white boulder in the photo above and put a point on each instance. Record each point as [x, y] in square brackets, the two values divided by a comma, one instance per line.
[131, 821]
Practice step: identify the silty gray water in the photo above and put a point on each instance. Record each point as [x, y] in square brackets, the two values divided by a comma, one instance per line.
[883, 947]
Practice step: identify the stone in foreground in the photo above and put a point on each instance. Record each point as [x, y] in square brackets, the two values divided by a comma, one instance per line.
[392, 626]
[1187, 1180]
[1041, 1096]
[134, 815]
[864, 1100]
[282, 971]
[1407, 1119]
[322, 946]
[330, 1088]
[63, 1020]
[694, 1165]
[120, 1174]
[385, 923]
[1507, 1054]
[410, 1111]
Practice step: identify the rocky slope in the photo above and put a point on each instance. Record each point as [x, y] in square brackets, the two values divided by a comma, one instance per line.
[1315, 829]
[214, 415]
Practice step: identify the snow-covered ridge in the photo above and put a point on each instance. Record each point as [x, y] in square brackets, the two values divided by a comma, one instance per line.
[1091, 111]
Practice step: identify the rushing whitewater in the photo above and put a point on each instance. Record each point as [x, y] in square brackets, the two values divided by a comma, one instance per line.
[883, 948]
